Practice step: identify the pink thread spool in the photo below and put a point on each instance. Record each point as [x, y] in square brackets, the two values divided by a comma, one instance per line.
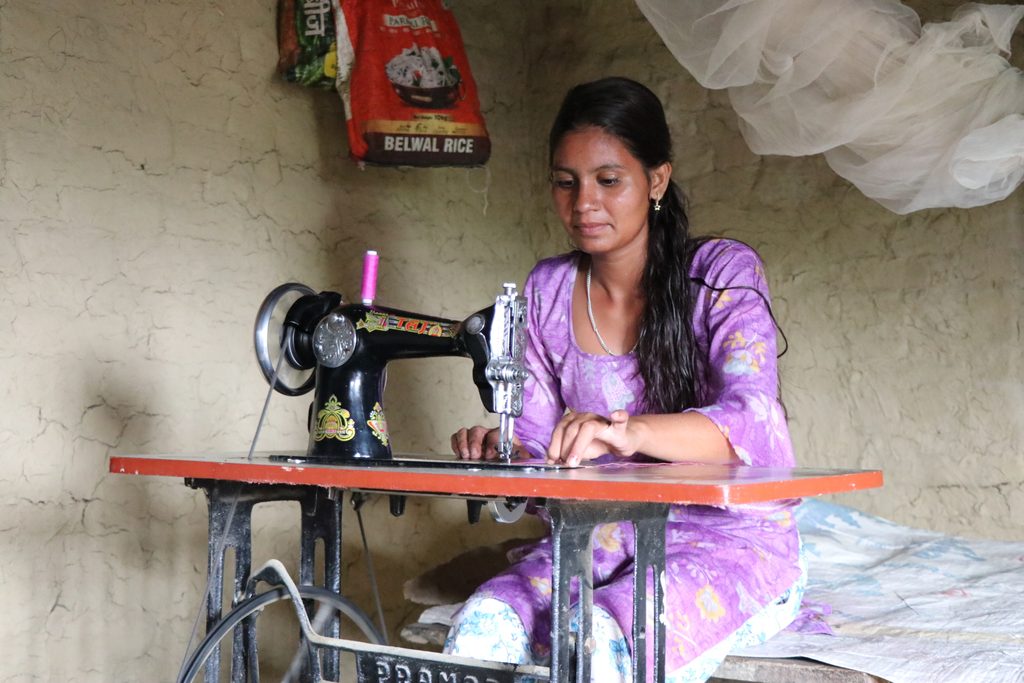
[370, 261]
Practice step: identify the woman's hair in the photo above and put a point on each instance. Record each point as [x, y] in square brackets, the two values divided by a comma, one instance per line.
[666, 351]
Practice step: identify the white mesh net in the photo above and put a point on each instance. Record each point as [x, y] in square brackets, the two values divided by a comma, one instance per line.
[915, 116]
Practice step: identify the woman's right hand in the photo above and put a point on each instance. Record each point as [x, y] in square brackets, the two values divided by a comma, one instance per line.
[480, 443]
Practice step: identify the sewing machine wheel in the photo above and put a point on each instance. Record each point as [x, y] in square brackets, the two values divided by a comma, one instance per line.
[327, 604]
[272, 338]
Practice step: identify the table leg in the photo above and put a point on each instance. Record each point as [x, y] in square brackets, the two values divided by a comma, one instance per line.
[230, 528]
[650, 556]
[572, 526]
[572, 558]
[321, 521]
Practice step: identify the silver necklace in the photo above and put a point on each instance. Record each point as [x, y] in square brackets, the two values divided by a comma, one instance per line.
[593, 323]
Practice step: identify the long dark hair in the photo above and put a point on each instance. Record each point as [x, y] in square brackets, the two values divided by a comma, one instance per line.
[667, 350]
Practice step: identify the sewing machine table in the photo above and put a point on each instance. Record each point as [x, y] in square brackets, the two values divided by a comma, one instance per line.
[577, 499]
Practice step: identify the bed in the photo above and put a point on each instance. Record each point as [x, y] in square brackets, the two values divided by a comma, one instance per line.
[907, 605]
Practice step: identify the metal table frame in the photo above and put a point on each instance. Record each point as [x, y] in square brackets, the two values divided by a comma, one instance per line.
[230, 507]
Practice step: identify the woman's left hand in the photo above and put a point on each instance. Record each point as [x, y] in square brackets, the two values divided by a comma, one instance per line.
[585, 436]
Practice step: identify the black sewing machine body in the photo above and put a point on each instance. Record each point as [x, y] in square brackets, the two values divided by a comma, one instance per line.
[347, 346]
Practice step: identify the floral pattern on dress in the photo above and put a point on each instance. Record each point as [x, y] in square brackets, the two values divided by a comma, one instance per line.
[744, 356]
[617, 394]
[608, 537]
[541, 585]
[709, 605]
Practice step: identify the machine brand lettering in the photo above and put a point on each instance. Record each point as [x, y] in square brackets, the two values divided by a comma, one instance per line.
[382, 322]
[388, 672]
[378, 423]
[334, 422]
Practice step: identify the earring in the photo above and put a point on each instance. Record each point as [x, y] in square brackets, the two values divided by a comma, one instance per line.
[657, 204]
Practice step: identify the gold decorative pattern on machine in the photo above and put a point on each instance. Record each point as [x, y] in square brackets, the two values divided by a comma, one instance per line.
[378, 423]
[334, 422]
[382, 322]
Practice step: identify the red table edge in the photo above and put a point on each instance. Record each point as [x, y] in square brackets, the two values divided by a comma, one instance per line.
[421, 481]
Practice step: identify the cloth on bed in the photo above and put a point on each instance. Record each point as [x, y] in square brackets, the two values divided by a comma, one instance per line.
[907, 604]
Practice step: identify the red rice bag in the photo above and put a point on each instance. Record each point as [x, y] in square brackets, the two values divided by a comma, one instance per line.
[410, 98]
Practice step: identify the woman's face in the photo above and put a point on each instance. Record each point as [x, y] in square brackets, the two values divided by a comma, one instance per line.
[602, 192]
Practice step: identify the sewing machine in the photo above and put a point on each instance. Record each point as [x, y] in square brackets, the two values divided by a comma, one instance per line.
[307, 340]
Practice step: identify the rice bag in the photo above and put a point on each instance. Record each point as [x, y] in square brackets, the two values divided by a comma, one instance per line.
[403, 75]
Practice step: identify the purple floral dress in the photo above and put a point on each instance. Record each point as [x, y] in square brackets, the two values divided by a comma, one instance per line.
[723, 565]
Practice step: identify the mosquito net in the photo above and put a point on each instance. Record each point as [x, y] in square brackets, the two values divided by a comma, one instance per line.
[915, 116]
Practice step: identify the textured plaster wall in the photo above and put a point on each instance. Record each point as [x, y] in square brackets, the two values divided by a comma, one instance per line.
[156, 181]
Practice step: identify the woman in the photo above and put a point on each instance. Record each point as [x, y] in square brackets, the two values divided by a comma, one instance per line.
[644, 343]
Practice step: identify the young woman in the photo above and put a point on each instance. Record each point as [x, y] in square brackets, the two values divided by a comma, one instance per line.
[644, 343]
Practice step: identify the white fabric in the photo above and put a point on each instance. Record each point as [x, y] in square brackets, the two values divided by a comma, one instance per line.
[916, 117]
[491, 630]
[908, 605]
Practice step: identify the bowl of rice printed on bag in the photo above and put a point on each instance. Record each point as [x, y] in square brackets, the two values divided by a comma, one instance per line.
[421, 77]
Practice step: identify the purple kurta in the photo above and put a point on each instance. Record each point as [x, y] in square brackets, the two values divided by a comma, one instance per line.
[723, 565]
